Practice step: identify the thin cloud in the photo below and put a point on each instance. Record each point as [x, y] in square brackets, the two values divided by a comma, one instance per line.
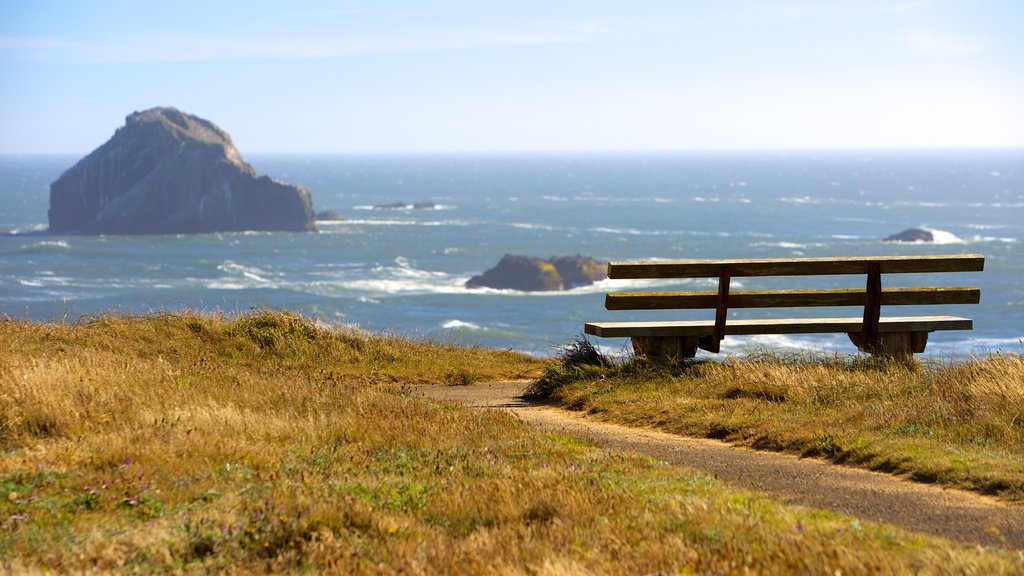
[931, 44]
[183, 48]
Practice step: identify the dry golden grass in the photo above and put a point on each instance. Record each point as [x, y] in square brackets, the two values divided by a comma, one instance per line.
[959, 424]
[192, 443]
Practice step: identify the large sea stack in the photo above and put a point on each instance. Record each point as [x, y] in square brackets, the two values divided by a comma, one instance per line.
[165, 171]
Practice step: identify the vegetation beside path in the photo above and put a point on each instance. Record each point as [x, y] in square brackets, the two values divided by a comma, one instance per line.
[958, 424]
[193, 443]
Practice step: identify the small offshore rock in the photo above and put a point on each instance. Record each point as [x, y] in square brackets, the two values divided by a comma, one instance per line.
[329, 216]
[535, 275]
[425, 205]
[911, 235]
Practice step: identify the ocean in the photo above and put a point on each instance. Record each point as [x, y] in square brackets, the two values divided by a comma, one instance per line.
[402, 271]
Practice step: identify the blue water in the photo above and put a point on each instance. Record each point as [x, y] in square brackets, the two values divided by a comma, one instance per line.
[402, 271]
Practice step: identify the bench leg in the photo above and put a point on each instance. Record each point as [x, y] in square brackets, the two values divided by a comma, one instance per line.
[897, 345]
[669, 349]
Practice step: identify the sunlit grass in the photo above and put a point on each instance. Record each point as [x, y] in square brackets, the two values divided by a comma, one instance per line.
[196, 443]
[958, 424]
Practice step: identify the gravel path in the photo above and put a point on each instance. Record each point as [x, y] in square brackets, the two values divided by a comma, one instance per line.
[953, 514]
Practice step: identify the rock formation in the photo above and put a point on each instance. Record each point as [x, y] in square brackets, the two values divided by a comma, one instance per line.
[533, 274]
[165, 171]
[419, 205]
[911, 235]
[329, 216]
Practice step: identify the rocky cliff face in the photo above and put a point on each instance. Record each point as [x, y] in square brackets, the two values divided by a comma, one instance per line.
[533, 274]
[166, 171]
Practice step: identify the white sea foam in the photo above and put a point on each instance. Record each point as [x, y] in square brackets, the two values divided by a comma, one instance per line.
[26, 230]
[396, 222]
[47, 246]
[531, 226]
[943, 237]
[746, 344]
[250, 272]
[459, 324]
[221, 285]
[799, 200]
[790, 245]
[394, 286]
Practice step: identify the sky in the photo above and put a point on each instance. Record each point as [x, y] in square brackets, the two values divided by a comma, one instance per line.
[370, 76]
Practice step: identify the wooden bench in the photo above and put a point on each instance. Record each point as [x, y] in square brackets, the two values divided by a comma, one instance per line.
[897, 336]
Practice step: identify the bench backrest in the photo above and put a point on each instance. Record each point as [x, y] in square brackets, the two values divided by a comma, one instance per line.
[872, 297]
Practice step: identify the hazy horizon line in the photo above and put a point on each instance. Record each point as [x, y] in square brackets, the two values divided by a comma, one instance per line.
[524, 151]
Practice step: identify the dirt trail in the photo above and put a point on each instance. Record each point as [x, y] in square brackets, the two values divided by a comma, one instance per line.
[953, 514]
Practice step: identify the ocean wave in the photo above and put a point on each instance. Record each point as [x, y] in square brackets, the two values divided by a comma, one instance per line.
[405, 208]
[531, 226]
[769, 342]
[921, 204]
[799, 200]
[996, 205]
[396, 222]
[944, 237]
[249, 272]
[624, 199]
[461, 325]
[630, 231]
[604, 286]
[391, 286]
[45, 246]
[789, 245]
[30, 230]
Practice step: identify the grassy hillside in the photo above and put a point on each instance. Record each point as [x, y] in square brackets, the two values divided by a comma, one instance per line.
[959, 424]
[194, 443]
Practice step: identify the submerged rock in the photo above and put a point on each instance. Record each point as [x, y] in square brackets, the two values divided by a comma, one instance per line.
[534, 274]
[329, 216]
[165, 171]
[911, 235]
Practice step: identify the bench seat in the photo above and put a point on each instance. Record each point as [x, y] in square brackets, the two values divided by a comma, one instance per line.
[683, 328]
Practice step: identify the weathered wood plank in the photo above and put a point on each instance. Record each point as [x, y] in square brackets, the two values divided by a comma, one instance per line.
[774, 326]
[795, 266]
[790, 298]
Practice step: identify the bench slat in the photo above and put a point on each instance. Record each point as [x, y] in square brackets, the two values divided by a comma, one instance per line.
[795, 266]
[774, 326]
[790, 298]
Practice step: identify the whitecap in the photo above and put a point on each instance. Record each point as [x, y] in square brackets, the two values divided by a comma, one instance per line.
[943, 237]
[459, 324]
[789, 245]
[799, 200]
[249, 272]
[530, 226]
